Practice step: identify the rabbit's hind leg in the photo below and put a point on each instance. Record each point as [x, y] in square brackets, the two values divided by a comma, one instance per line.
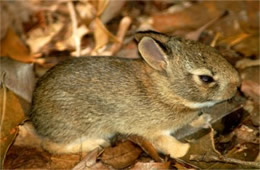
[79, 145]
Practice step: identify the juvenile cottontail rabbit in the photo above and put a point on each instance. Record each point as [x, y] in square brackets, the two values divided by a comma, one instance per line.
[80, 104]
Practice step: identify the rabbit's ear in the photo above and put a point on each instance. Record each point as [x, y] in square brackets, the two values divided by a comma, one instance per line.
[153, 53]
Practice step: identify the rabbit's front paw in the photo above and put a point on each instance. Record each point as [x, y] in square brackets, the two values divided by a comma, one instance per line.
[179, 149]
[169, 145]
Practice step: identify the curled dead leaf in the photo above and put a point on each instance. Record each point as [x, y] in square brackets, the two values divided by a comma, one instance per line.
[11, 115]
[12, 46]
[146, 146]
[90, 161]
[121, 155]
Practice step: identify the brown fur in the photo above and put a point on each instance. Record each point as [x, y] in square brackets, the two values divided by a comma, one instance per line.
[94, 98]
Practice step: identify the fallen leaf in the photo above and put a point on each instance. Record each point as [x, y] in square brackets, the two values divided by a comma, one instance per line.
[247, 134]
[102, 35]
[100, 6]
[19, 77]
[12, 114]
[251, 88]
[232, 40]
[39, 38]
[12, 46]
[90, 161]
[26, 158]
[122, 155]
[64, 161]
[151, 165]
[11, 18]
[253, 108]
[251, 80]
[112, 9]
[189, 18]
[146, 146]
[194, 35]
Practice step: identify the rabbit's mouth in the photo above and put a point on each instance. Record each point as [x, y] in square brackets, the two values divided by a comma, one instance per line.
[199, 105]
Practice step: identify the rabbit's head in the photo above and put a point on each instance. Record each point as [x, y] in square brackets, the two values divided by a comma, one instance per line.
[195, 72]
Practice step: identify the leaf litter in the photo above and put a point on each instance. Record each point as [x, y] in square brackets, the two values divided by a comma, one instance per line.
[48, 32]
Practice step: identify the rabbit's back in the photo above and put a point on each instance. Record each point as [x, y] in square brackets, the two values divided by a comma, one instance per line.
[94, 96]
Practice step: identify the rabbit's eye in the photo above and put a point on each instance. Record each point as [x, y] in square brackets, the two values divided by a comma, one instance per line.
[206, 78]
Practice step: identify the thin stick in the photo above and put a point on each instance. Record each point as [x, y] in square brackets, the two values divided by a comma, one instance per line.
[194, 35]
[212, 158]
[214, 41]
[4, 100]
[74, 27]
[213, 141]
[123, 27]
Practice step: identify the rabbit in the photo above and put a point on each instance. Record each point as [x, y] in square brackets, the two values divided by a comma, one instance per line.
[82, 103]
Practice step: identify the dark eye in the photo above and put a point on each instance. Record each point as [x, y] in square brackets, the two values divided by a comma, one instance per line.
[206, 78]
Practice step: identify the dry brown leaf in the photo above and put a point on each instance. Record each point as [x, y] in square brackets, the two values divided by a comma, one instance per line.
[11, 18]
[189, 18]
[122, 155]
[247, 134]
[11, 45]
[230, 41]
[90, 161]
[38, 38]
[113, 8]
[12, 114]
[20, 77]
[194, 35]
[250, 78]
[151, 165]
[101, 6]
[64, 161]
[146, 146]
[251, 88]
[26, 158]
[253, 108]
[123, 28]
[102, 35]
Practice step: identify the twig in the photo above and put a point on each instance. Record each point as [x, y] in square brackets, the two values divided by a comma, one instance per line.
[212, 158]
[238, 39]
[194, 35]
[214, 41]
[74, 27]
[123, 27]
[213, 142]
[4, 100]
